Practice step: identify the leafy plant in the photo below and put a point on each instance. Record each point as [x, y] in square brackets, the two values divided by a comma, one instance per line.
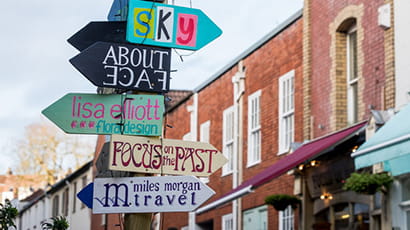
[7, 215]
[58, 223]
[367, 183]
[281, 201]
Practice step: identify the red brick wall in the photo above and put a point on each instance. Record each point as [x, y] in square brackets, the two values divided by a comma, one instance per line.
[278, 56]
[323, 13]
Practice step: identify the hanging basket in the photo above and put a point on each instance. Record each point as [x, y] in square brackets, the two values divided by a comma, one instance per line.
[281, 201]
[367, 183]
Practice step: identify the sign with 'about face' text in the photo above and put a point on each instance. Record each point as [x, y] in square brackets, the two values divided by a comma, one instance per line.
[125, 66]
[108, 114]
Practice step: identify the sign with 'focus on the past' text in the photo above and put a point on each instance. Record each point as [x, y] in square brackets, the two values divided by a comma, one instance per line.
[155, 155]
[171, 26]
[108, 114]
[125, 66]
[147, 194]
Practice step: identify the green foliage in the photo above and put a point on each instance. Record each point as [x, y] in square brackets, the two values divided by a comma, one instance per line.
[281, 201]
[367, 183]
[58, 223]
[7, 215]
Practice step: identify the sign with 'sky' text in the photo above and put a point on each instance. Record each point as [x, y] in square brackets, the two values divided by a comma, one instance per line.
[154, 155]
[171, 26]
[146, 194]
[108, 114]
[125, 66]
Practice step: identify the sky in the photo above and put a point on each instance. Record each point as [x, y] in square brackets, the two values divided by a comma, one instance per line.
[34, 53]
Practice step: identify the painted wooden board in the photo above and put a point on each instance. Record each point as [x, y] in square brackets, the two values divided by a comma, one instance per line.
[125, 66]
[146, 194]
[167, 156]
[171, 26]
[108, 114]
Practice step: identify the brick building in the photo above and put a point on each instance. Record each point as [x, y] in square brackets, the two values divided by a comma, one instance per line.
[239, 110]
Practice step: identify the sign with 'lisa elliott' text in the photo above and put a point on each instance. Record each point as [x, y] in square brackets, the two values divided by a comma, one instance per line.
[125, 66]
[108, 114]
[148, 194]
[167, 156]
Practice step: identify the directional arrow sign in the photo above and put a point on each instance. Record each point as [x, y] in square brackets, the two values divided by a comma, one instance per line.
[169, 26]
[145, 194]
[98, 31]
[154, 155]
[108, 114]
[131, 67]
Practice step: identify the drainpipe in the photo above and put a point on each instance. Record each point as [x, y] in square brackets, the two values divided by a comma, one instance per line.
[238, 81]
[193, 109]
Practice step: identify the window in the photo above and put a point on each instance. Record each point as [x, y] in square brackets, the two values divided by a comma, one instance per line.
[228, 140]
[205, 129]
[64, 207]
[352, 75]
[74, 196]
[286, 111]
[55, 206]
[84, 181]
[256, 218]
[204, 137]
[254, 129]
[227, 222]
[286, 219]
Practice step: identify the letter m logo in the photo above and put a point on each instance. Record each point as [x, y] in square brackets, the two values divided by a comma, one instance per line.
[116, 197]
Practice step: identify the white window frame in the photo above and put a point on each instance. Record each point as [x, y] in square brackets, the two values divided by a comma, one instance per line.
[287, 219]
[205, 130]
[286, 111]
[351, 78]
[225, 222]
[228, 139]
[204, 136]
[254, 129]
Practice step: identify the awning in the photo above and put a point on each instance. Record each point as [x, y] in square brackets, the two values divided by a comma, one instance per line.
[390, 145]
[307, 151]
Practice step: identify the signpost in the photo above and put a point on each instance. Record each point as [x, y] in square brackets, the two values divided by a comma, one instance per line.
[172, 26]
[112, 31]
[154, 155]
[125, 66]
[108, 114]
[145, 194]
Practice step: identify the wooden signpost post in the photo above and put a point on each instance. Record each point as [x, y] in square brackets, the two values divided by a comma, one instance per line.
[108, 114]
[171, 26]
[125, 66]
[165, 156]
[109, 60]
[145, 194]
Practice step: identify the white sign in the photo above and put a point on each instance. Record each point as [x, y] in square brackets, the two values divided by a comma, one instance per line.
[149, 194]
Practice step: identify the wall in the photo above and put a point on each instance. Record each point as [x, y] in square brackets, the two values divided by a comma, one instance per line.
[327, 67]
[402, 51]
[263, 67]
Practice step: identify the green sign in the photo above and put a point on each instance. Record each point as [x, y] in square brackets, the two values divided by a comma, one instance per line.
[108, 114]
[157, 24]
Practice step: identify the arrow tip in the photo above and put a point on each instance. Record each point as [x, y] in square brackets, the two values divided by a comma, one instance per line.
[86, 195]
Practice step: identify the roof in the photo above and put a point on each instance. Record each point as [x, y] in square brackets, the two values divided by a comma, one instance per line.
[251, 49]
[390, 145]
[306, 152]
[175, 98]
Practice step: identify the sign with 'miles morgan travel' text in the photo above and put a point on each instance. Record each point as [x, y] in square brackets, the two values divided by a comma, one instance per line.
[149, 194]
[108, 114]
[165, 156]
